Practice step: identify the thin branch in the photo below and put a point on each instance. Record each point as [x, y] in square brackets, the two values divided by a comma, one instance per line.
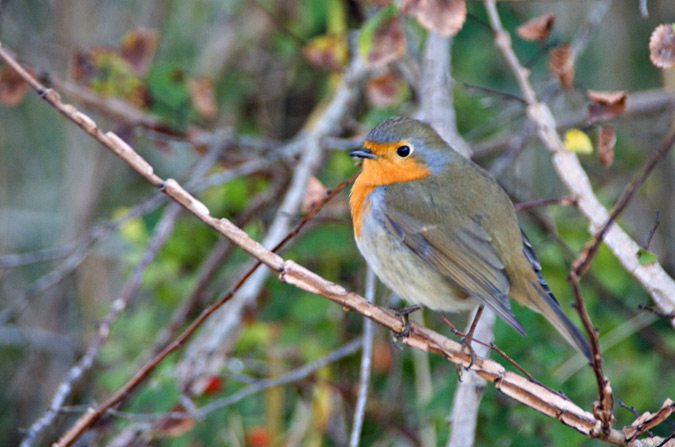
[583, 36]
[492, 346]
[639, 104]
[208, 268]
[464, 416]
[77, 372]
[618, 334]
[604, 406]
[366, 362]
[564, 201]
[589, 251]
[655, 280]
[435, 90]
[493, 92]
[193, 371]
[160, 234]
[652, 230]
[293, 376]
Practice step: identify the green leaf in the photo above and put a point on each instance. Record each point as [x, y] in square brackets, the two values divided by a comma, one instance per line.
[170, 99]
[646, 257]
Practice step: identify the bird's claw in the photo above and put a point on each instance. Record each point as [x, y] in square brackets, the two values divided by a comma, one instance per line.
[466, 348]
[404, 313]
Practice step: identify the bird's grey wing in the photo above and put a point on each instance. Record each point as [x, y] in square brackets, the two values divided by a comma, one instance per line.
[461, 253]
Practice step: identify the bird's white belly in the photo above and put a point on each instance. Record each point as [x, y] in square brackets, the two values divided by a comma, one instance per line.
[406, 274]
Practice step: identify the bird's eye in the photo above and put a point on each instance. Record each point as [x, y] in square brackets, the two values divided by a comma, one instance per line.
[403, 151]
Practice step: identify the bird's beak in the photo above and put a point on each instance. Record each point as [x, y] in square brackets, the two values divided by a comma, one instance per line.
[363, 153]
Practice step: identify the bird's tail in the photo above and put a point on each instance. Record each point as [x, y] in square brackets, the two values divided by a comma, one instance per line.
[550, 308]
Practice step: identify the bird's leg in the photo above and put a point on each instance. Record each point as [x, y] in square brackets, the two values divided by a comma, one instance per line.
[404, 313]
[468, 338]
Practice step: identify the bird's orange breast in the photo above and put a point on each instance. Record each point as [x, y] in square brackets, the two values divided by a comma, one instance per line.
[385, 169]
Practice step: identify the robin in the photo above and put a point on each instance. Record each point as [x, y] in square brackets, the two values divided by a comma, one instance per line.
[439, 231]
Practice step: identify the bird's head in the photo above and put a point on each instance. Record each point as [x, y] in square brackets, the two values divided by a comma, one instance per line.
[401, 149]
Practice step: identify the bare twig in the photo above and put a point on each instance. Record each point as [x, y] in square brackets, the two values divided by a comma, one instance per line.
[648, 420]
[583, 36]
[618, 334]
[657, 312]
[564, 201]
[435, 89]
[655, 280]
[212, 342]
[366, 359]
[77, 372]
[295, 375]
[209, 268]
[603, 407]
[160, 234]
[638, 104]
[652, 230]
[492, 346]
[582, 263]
[464, 415]
[493, 92]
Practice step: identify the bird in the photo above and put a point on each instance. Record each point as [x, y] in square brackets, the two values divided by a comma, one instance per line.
[441, 233]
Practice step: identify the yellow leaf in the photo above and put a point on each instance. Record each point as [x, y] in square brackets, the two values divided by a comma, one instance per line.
[577, 141]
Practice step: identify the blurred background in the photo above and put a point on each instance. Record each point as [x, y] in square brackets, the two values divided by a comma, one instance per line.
[216, 94]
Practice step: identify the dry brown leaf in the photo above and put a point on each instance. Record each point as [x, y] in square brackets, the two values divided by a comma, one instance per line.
[608, 97]
[537, 28]
[560, 63]
[446, 17]
[83, 66]
[606, 105]
[314, 193]
[203, 98]
[138, 48]
[12, 87]
[606, 144]
[388, 43]
[662, 46]
[381, 91]
[326, 51]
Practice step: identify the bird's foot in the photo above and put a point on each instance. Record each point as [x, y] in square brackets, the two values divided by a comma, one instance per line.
[404, 313]
[466, 348]
[468, 338]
